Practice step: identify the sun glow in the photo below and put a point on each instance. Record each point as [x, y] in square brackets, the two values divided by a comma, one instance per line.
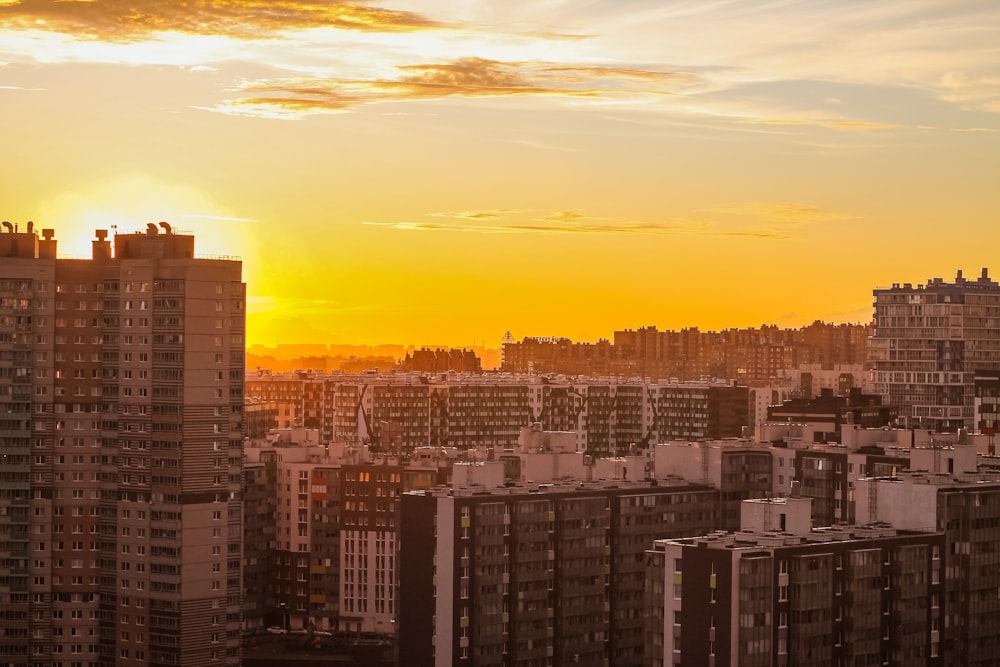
[125, 204]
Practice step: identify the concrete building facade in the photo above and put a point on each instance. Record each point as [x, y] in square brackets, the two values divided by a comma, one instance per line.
[121, 388]
[966, 509]
[855, 595]
[548, 574]
[399, 412]
[928, 342]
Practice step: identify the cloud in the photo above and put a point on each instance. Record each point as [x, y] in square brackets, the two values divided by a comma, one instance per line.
[465, 77]
[491, 214]
[831, 124]
[542, 146]
[624, 227]
[559, 222]
[759, 220]
[127, 20]
[20, 88]
[565, 216]
[772, 219]
[221, 218]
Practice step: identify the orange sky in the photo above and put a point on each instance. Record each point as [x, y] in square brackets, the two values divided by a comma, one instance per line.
[435, 172]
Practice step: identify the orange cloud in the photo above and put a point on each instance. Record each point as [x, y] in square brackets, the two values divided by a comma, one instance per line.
[758, 220]
[492, 214]
[773, 219]
[559, 222]
[126, 20]
[465, 77]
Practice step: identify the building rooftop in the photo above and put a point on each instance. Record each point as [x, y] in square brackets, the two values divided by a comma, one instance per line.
[775, 539]
[558, 487]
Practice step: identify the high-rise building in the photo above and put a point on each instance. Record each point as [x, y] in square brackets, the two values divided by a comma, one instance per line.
[121, 395]
[835, 596]
[966, 508]
[928, 343]
[549, 574]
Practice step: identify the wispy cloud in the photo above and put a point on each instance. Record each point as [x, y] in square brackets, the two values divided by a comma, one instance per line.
[465, 77]
[760, 220]
[490, 214]
[20, 88]
[514, 221]
[222, 218]
[771, 219]
[127, 20]
[821, 122]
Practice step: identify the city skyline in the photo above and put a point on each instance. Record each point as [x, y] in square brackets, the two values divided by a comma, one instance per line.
[431, 173]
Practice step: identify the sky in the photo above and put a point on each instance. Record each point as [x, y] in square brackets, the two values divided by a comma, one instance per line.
[437, 172]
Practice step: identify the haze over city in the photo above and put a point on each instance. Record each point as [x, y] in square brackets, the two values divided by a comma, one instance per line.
[434, 172]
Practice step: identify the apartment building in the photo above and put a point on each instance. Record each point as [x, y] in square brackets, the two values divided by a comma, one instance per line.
[986, 391]
[121, 390]
[929, 341]
[966, 509]
[399, 412]
[869, 595]
[750, 356]
[321, 532]
[739, 469]
[864, 410]
[540, 574]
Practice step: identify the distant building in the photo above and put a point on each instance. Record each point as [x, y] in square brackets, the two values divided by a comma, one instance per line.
[749, 356]
[441, 361]
[928, 343]
[396, 413]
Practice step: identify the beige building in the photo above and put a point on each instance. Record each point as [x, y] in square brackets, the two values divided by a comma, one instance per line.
[121, 390]
[929, 341]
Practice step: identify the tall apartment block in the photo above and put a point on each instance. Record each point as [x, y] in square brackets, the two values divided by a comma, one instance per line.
[848, 596]
[966, 508]
[549, 574]
[928, 343]
[121, 395]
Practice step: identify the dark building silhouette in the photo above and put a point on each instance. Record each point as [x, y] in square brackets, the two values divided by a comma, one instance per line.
[750, 356]
[441, 360]
[864, 410]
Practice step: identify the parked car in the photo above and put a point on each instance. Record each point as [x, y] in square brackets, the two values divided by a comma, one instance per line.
[277, 630]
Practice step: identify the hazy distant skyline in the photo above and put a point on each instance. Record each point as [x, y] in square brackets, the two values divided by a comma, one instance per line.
[441, 172]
